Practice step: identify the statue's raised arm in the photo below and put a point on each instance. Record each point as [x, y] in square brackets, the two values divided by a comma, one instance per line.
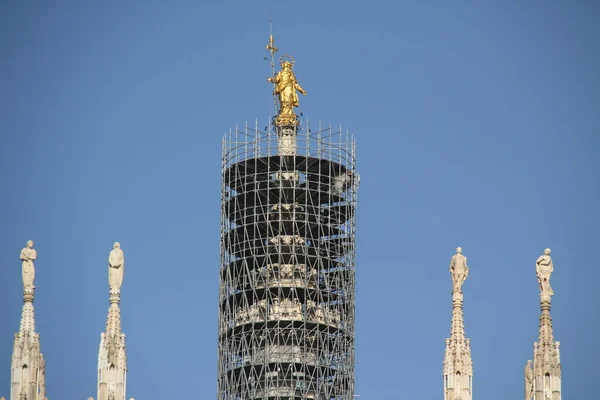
[116, 265]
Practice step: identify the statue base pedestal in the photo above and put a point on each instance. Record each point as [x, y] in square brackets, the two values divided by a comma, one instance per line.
[28, 294]
[457, 296]
[114, 297]
[286, 140]
[287, 120]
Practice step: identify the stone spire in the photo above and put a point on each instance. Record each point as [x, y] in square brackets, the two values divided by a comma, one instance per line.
[112, 359]
[28, 367]
[458, 365]
[543, 378]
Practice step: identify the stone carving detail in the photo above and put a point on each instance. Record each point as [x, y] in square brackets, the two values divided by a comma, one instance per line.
[42, 379]
[341, 183]
[287, 240]
[528, 381]
[28, 255]
[116, 264]
[459, 270]
[283, 309]
[544, 268]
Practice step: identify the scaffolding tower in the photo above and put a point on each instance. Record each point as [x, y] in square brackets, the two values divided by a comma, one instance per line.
[287, 276]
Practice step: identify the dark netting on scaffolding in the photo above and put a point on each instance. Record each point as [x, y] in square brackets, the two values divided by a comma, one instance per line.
[287, 291]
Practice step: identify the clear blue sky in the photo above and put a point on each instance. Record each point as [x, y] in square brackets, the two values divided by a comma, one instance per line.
[477, 125]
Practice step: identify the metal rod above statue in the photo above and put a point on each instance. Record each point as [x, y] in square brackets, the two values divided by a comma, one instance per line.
[286, 88]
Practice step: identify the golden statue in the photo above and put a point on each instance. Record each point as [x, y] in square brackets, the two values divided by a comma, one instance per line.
[286, 86]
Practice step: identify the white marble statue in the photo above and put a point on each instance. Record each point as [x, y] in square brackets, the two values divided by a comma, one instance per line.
[342, 182]
[242, 315]
[528, 381]
[285, 271]
[459, 270]
[116, 264]
[254, 312]
[297, 310]
[42, 379]
[275, 310]
[319, 314]
[28, 255]
[543, 269]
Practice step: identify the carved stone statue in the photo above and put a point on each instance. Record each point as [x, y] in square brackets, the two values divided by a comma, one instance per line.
[528, 381]
[275, 310]
[116, 264]
[42, 379]
[543, 269]
[319, 314]
[459, 270]
[286, 86]
[285, 270]
[254, 312]
[28, 255]
[242, 315]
